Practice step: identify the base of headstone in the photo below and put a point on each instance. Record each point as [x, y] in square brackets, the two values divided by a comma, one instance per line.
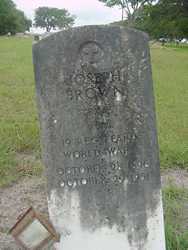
[74, 237]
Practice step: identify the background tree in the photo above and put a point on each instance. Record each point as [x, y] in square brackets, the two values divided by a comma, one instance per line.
[52, 18]
[11, 19]
[129, 7]
[23, 23]
[167, 18]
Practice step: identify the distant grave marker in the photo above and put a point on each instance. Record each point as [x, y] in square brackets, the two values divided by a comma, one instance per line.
[36, 38]
[95, 99]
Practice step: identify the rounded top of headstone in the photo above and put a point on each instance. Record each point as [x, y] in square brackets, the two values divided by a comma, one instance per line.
[88, 29]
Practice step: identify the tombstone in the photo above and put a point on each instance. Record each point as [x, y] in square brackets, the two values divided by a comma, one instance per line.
[36, 38]
[99, 141]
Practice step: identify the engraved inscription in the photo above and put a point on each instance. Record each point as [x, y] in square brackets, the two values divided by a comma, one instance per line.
[115, 139]
[97, 90]
[96, 85]
[112, 151]
[90, 54]
[93, 174]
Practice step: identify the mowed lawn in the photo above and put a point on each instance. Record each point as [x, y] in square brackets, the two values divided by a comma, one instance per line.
[19, 129]
[170, 74]
[19, 132]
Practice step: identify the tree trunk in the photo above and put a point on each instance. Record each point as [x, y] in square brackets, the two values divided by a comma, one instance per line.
[48, 28]
[122, 13]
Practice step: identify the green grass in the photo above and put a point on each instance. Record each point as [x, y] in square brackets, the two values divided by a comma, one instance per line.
[176, 218]
[19, 131]
[177, 46]
[170, 73]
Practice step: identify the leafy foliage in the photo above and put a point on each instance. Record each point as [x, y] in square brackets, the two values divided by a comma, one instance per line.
[167, 18]
[52, 18]
[11, 19]
[129, 7]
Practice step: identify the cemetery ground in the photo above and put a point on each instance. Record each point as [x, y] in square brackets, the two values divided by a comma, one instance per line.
[21, 183]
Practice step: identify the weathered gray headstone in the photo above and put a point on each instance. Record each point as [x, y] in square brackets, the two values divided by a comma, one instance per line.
[95, 97]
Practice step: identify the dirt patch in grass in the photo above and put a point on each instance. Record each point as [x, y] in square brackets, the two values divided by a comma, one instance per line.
[17, 198]
[177, 177]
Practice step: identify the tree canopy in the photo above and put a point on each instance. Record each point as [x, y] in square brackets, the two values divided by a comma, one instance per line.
[167, 18]
[52, 18]
[11, 19]
[128, 7]
[161, 18]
